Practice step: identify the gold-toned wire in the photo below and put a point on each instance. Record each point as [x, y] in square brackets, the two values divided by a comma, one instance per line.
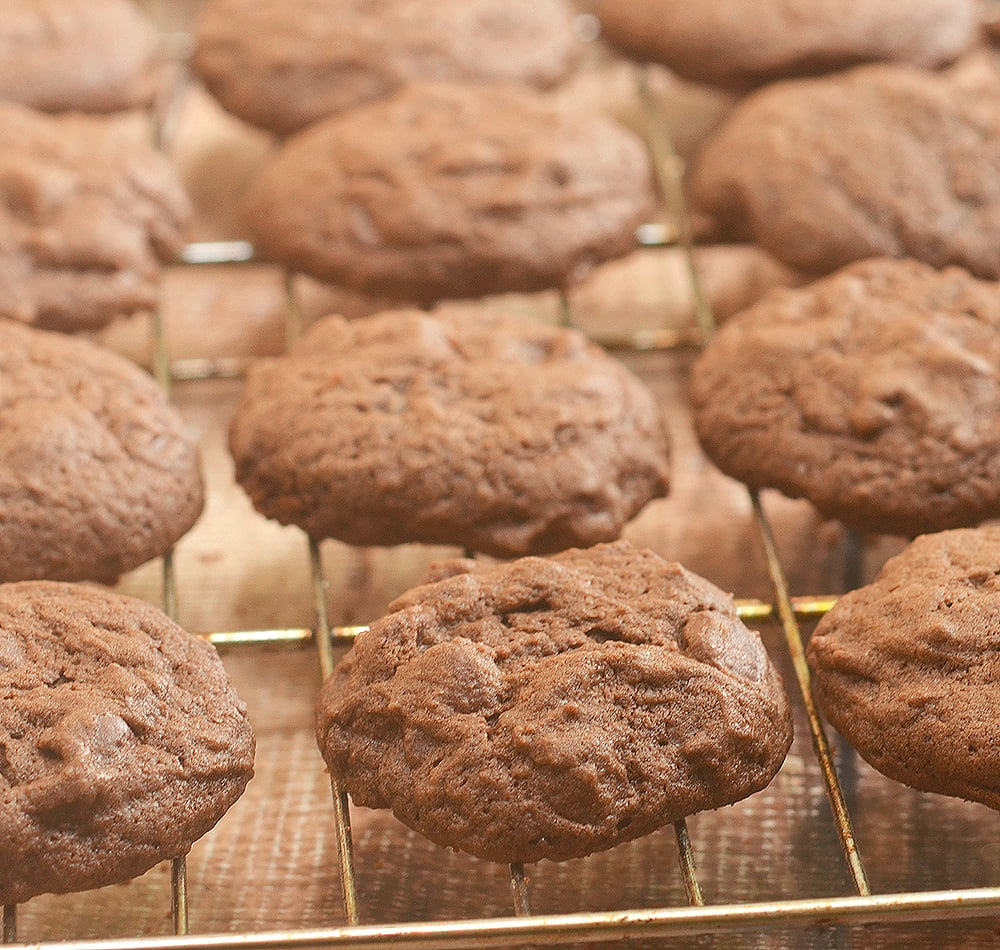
[320, 588]
[565, 309]
[519, 890]
[641, 340]
[294, 318]
[9, 932]
[341, 805]
[796, 649]
[169, 583]
[573, 929]
[175, 49]
[178, 865]
[168, 107]
[854, 559]
[178, 895]
[685, 855]
[196, 368]
[161, 352]
[668, 169]
[748, 609]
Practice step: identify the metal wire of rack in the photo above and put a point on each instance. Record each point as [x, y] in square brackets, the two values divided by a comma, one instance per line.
[696, 919]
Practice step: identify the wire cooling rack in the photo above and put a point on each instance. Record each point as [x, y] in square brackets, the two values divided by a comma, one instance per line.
[840, 914]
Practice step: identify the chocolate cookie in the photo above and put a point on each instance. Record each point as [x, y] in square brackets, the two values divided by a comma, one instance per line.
[879, 161]
[458, 191]
[874, 393]
[908, 668]
[493, 432]
[99, 472]
[283, 68]
[552, 708]
[744, 43]
[85, 55]
[121, 739]
[87, 213]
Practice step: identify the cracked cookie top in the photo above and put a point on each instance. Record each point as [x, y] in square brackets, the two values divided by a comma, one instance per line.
[121, 738]
[488, 431]
[549, 708]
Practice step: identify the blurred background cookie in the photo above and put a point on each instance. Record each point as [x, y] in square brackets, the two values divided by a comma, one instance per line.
[745, 43]
[448, 190]
[85, 55]
[282, 67]
[880, 160]
[89, 212]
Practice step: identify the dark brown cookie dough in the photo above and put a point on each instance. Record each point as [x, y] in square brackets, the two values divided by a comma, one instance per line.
[85, 55]
[494, 432]
[121, 739]
[87, 213]
[882, 160]
[451, 191]
[284, 67]
[874, 393]
[743, 43]
[549, 708]
[908, 668]
[99, 473]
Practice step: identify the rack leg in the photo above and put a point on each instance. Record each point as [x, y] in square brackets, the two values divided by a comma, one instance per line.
[854, 560]
[565, 310]
[345, 846]
[519, 890]
[294, 319]
[341, 803]
[669, 173]
[821, 745]
[686, 858]
[178, 895]
[9, 923]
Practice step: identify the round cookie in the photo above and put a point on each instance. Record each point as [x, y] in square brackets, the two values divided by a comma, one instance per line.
[493, 432]
[883, 160]
[451, 191]
[908, 668]
[84, 55]
[549, 708]
[123, 740]
[88, 212]
[99, 472]
[283, 68]
[874, 393]
[745, 43]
